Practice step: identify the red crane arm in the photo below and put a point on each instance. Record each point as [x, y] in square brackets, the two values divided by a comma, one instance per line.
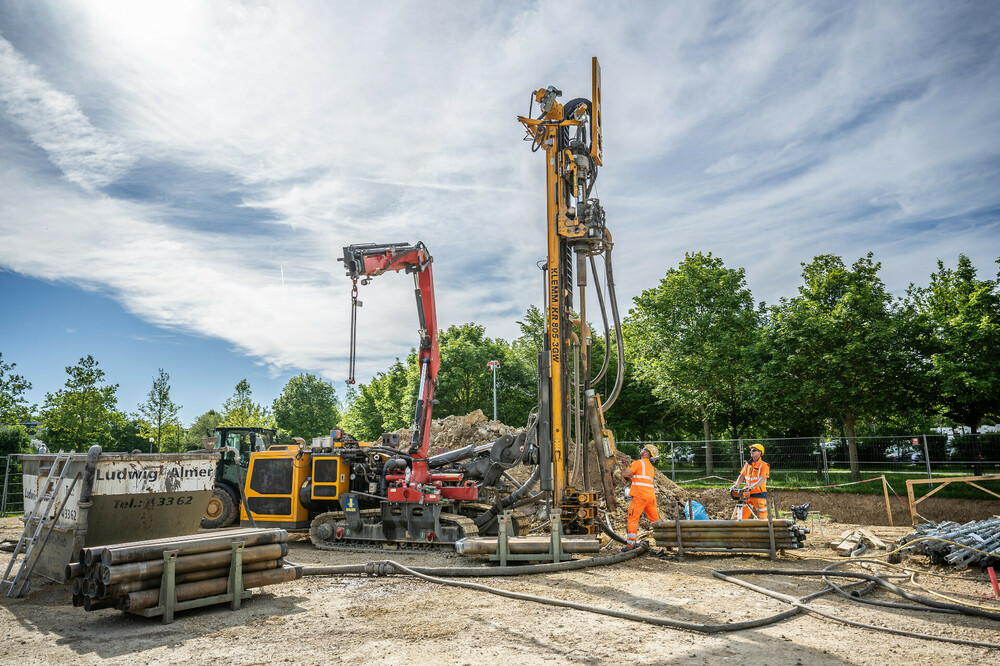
[368, 260]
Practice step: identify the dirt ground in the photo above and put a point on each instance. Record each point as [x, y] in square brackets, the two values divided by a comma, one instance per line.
[319, 620]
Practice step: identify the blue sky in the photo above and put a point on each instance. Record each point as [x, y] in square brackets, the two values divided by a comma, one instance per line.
[177, 179]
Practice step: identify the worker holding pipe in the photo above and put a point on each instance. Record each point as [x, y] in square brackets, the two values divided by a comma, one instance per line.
[642, 492]
[755, 473]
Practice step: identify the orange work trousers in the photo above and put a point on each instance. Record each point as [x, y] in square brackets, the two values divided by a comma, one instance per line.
[638, 507]
[755, 508]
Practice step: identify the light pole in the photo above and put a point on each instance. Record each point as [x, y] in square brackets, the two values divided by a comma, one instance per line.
[151, 440]
[493, 365]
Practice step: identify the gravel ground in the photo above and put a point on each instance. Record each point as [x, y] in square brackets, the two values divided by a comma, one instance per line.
[319, 620]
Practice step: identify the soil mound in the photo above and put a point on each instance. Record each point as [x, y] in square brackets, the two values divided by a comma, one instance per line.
[454, 432]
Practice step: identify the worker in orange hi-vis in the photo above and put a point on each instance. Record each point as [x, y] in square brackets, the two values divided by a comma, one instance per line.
[755, 473]
[642, 492]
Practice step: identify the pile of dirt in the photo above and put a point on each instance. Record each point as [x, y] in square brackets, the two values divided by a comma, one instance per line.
[455, 432]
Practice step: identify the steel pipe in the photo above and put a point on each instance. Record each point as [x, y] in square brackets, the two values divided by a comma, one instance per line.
[122, 573]
[139, 551]
[207, 588]
[94, 553]
[121, 589]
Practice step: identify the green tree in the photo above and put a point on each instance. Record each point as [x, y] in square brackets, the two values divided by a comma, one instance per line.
[959, 318]
[465, 382]
[203, 426]
[13, 439]
[380, 406]
[13, 406]
[838, 348]
[128, 432]
[159, 411]
[527, 345]
[307, 407]
[691, 339]
[239, 410]
[81, 413]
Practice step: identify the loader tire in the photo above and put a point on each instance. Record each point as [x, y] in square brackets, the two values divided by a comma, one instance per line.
[221, 511]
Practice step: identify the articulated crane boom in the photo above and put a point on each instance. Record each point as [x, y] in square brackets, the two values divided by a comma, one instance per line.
[576, 233]
[368, 260]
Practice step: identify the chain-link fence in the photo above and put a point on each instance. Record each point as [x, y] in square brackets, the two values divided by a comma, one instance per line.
[828, 458]
[12, 499]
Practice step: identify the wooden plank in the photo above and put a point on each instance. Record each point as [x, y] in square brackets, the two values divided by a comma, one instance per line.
[849, 544]
[873, 540]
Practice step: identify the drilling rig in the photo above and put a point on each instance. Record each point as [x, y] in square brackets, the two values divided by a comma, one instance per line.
[570, 412]
[373, 495]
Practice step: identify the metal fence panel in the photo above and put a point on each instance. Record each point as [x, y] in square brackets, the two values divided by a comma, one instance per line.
[829, 457]
[12, 497]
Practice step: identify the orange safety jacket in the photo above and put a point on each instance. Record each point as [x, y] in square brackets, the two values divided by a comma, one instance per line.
[642, 480]
[752, 472]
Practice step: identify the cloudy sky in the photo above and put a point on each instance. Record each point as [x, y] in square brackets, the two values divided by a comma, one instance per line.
[177, 179]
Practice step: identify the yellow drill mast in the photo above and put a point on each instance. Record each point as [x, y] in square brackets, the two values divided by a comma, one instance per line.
[576, 233]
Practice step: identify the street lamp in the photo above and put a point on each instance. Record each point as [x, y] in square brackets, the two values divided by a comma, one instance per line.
[493, 365]
[151, 440]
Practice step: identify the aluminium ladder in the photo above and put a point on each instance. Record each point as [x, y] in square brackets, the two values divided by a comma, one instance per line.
[34, 536]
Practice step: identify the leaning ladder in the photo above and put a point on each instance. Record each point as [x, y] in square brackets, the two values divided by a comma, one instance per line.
[34, 535]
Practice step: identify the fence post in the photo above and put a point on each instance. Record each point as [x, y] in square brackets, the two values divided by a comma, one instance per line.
[673, 469]
[927, 457]
[826, 466]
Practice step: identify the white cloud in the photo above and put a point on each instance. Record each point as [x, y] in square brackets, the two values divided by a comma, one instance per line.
[88, 157]
[764, 133]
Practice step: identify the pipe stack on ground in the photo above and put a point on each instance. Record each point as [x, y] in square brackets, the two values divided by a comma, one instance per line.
[734, 535]
[983, 535]
[127, 576]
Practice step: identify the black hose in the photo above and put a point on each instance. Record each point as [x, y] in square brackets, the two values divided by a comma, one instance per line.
[610, 532]
[604, 318]
[966, 610]
[798, 603]
[486, 516]
[619, 342]
[872, 602]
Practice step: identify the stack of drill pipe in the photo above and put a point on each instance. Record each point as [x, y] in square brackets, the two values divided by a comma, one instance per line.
[735, 535]
[954, 549]
[127, 576]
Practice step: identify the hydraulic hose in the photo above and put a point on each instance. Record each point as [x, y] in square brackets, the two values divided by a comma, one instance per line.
[619, 342]
[885, 604]
[486, 516]
[610, 532]
[798, 603]
[604, 318]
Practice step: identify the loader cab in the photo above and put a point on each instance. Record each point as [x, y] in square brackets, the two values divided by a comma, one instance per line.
[236, 445]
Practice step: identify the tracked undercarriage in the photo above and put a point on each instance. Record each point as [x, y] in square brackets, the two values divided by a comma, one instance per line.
[394, 527]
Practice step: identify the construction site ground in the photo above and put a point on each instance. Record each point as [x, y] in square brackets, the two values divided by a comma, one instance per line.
[321, 620]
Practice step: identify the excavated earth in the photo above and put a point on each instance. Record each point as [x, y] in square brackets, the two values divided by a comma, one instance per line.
[393, 620]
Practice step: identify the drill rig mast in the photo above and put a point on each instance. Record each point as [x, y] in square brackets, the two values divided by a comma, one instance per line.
[576, 234]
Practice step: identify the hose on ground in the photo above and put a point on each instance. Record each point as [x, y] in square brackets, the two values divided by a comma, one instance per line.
[799, 603]
[873, 602]
[606, 528]
[390, 566]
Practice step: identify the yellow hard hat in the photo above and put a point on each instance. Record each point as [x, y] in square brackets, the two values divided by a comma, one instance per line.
[759, 447]
[653, 451]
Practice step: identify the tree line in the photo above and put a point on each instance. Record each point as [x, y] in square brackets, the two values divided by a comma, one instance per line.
[704, 360]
